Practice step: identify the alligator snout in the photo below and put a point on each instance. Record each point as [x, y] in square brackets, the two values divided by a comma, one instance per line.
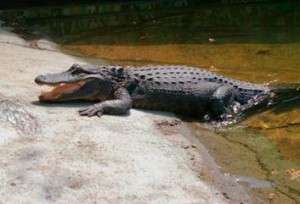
[40, 79]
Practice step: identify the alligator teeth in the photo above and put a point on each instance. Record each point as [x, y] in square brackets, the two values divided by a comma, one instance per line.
[51, 85]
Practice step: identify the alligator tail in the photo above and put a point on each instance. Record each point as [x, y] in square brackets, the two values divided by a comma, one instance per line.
[284, 92]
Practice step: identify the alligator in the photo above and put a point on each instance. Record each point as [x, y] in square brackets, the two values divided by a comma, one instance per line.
[175, 88]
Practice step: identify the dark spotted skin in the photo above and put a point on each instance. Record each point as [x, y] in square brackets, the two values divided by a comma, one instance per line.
[179, 89]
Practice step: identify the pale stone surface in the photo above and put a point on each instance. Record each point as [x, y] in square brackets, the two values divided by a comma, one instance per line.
[72, 159]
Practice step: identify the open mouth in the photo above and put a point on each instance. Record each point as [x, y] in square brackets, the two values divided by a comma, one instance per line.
[60, 90]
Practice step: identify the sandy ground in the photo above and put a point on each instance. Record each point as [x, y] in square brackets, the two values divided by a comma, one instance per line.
[51, 155]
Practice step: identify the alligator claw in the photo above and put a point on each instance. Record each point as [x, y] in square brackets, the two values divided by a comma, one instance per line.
[91, 111]
[99, 114]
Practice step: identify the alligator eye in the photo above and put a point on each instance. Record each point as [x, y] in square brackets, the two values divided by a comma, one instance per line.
[74, 67]
[77, 71]
[74, 70]
[71, 69]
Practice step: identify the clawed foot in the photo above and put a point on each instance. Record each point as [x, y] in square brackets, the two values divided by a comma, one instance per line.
[91, 111]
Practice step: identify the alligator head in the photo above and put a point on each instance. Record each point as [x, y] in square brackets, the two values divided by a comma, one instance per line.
[80, 82]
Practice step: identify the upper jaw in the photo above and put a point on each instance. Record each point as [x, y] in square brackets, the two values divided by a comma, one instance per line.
[45, 80]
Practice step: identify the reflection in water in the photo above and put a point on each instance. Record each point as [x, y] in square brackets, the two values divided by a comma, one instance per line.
[257, 42]
[253, 183]
[281, 124]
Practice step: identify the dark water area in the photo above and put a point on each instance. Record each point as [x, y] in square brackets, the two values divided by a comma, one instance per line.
[254, 41]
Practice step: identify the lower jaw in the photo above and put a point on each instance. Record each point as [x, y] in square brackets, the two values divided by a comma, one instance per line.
[45, 98]
[58, 93]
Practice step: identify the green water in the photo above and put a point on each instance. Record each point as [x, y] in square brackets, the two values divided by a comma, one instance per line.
[259, 43]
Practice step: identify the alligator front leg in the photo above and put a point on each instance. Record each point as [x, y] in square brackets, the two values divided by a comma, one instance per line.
[120, 105]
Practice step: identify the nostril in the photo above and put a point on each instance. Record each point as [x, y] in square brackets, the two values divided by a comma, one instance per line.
[40, 78]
